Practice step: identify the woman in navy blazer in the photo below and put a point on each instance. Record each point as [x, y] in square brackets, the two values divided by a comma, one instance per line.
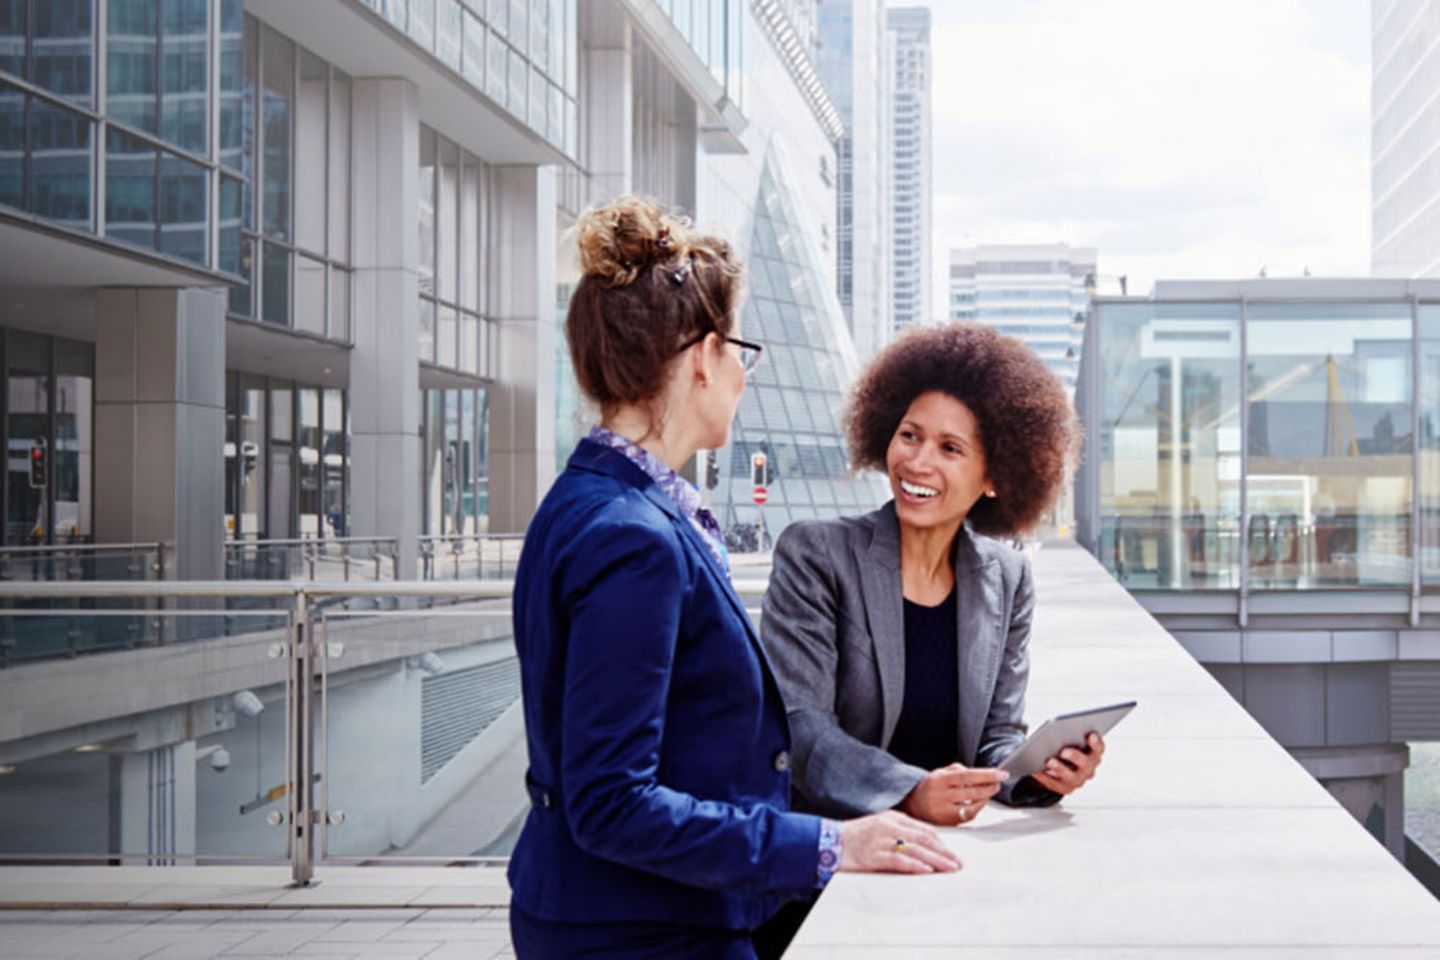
[659, 748]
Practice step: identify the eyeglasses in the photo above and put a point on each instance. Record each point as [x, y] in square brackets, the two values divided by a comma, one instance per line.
[749, 352]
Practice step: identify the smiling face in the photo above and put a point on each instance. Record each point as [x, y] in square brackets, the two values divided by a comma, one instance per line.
[936, 462]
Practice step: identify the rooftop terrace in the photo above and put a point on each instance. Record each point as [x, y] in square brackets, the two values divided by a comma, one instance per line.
[1201, 836]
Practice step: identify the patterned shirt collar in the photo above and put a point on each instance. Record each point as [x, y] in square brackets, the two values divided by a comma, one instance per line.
[680, 491]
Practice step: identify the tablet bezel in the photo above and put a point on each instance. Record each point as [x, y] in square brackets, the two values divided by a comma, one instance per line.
[1061, 731]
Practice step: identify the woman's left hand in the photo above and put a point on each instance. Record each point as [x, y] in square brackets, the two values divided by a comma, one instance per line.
[1073, 767]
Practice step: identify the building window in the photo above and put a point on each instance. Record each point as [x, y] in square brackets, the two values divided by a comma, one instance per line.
[455, 332]
[285, 197]
[47, 407]
[287, 460]
[455, 464]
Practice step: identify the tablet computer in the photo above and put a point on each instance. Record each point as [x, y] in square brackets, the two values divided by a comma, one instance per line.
[1057, 733]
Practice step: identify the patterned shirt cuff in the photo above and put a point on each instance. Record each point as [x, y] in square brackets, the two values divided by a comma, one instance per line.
[829, 862]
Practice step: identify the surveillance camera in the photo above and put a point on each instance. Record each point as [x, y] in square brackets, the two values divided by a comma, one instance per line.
[247, 703]
[220, 759]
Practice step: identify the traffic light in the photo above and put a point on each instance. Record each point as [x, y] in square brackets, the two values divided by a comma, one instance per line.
[712, 470]
[39, 465]
[759, 471]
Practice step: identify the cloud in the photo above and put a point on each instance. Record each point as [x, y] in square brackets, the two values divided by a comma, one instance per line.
[1182, 140]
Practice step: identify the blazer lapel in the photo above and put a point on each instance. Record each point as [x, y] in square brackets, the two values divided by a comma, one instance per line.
[883, 589]
[981, 632]
[697, 543]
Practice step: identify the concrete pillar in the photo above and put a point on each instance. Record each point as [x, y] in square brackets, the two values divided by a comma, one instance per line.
[522, 401]
[160, 423]
[607, 82]
[384, 361]
[152, 804]
[1368, 781]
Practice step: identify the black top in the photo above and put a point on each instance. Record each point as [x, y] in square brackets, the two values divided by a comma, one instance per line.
[927, 734]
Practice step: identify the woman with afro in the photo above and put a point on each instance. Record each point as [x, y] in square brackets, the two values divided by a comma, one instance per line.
[900, 637]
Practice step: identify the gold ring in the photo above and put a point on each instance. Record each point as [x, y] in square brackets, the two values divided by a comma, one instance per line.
[898, 845]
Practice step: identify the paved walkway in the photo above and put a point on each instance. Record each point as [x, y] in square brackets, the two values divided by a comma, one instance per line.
[400, 934]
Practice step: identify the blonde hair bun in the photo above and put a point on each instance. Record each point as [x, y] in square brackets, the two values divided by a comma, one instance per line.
[619, 239]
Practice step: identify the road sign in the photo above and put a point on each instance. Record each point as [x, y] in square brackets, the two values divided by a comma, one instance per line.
[761, 495]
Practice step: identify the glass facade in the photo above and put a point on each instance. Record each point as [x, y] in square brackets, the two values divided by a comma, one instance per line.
[287, 459]
[151, 113]
[1263, 445]
[791, 409]
[454, 215]
[455, 483]
[714, 29]
[284, 204]
[522, 54]
[273, 178]
[48, 411]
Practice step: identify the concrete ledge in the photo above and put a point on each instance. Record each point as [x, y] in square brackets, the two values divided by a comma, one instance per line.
[1200, 835]
[252, 888]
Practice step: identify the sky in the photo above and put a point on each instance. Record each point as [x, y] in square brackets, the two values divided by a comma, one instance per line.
[1182, 139]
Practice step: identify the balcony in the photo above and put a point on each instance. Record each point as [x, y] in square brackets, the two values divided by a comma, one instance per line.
[1202, 833]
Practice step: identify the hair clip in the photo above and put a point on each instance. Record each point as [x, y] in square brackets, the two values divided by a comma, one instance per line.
[662, 240]
[678, 276]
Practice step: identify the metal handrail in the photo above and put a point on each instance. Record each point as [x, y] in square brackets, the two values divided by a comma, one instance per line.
[447, 537]
[42, 548]
[305, 541]
[127, 589]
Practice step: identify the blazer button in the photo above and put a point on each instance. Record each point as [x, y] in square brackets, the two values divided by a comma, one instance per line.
[545, 800]
[782, 761]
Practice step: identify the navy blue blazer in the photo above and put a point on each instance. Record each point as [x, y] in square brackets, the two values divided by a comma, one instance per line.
[659, 749]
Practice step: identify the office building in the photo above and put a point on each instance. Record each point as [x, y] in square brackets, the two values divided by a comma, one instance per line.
[853, 67]
[1261, 472]
[1034, 292]
[280, 299]
[908, 64]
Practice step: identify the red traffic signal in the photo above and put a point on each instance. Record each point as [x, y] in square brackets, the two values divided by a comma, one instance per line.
[39, 466]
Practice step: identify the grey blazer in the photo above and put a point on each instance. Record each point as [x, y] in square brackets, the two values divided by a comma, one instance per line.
[834, 629]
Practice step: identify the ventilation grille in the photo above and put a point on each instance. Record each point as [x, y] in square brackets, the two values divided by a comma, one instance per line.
[1414, 702]
[459, 706]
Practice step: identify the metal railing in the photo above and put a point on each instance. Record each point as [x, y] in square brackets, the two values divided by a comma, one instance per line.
[470, 556]
[425, 639]
[86, 561]
[329, 559]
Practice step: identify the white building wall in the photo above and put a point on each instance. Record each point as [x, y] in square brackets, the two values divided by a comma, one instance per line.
[1405, 138]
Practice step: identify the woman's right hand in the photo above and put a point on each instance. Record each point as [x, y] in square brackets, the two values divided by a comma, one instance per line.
[953, 795]
[892, 842]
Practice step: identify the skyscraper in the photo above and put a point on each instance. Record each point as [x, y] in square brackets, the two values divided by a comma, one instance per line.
[1029, 291]
[1404, 140]
[908, 63]
[852, 67]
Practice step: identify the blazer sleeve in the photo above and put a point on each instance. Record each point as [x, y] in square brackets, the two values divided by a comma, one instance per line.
[836, 774]
[624, 591]
[1005, 727]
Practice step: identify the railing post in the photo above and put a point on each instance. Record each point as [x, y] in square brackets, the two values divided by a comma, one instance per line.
[301, 821]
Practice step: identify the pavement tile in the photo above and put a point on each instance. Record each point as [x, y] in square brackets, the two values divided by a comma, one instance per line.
[479, 932]
[282, 937]
[470, 951]
[390, 951]
[363, 931]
